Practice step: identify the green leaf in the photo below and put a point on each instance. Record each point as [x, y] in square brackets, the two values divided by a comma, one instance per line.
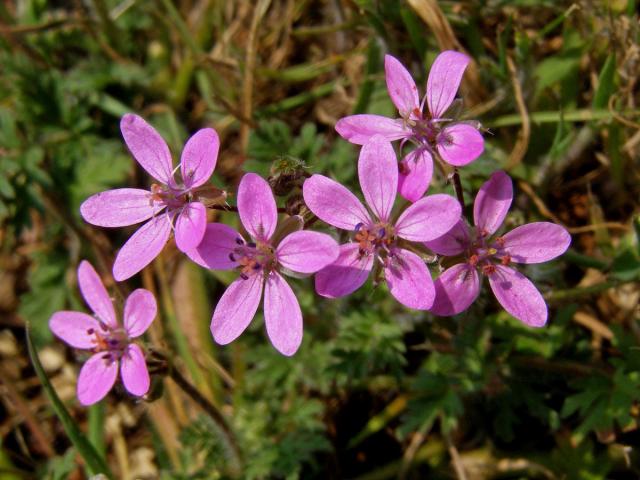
[606, 83]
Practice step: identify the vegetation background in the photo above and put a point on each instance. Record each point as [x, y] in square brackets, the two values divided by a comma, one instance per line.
[376, 391]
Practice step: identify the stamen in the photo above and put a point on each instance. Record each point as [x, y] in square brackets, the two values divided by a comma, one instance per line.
[244, 276]
[381, 232]
[251, 245]
[488, 269]
[358, 227]
[90, 331]
[232, 257]
[239, 241]
[505, 260]
[257, 266]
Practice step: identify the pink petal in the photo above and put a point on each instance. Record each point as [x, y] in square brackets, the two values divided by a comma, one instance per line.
[347, 274]
[444, 80]
[191, 224]
[217, 245]
[333, 203]
[257, 207]
[73, 327]
[456, 289]
[139, 311]
[306, 251]
[282, 315]
[359, 129]
[415, 175]
[199, 157]
[492, 202]
[378, 174]
[236, 308]
[518, 296]
[428, 218]
[143, 246]
[147, 147]
[402, 89]
[452, 243]
[119, 207]
[95, 294]
[409, 280]
[460, 144]
[133, 370]
[96, 378]
[536, 242]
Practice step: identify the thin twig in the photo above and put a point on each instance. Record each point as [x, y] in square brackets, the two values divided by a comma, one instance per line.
[522, 144]
[455, 459]
[457, 185]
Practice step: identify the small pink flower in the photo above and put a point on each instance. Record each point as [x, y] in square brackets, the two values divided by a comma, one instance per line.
[459, 285]
[102, 334]
[128, 206]
[261, 262]
[377, 237]
[457, 143]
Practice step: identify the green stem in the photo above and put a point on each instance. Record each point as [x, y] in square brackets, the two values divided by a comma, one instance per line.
[96, 427]
[579, 292]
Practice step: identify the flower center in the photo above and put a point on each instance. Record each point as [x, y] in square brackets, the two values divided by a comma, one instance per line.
[166, 196]
[111, 341]
[378, 239]
[253, 258]
[484, 253]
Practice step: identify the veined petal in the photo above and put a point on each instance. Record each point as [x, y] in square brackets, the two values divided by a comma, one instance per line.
[536, 242]
[409, 280]
[428, 218]
[402, 89]
[306, 251]
[282, 315]
[97, 376]
[133, 370]
[454, 242]
[359, 129]
[518, 296]
[236, 309]
[95, 294]
[378, 174]
[347, 274]
[460, 144]
[140, 309]
[191, 224]
[147, 147]
[257, 207]
[199, 157]
[492, 202]
[119, 207]
[142, 247]
[444, 80]
[73, 328]
[416, 170]
[333, 203]
[456, 289]
[215, 251]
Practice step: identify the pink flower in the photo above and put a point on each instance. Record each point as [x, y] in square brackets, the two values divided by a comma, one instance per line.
[128, 206]
[110, 343]
[457, 143]
[459, 285]
[377, 237]
[261, 263]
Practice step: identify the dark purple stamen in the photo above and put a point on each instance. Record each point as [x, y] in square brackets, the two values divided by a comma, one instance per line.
[358, 227]
[381, 232]
[257, 266]
[104, 327]
[244, 276]
[251, 245]
[232, 257]
[239, 241]
[90, 331]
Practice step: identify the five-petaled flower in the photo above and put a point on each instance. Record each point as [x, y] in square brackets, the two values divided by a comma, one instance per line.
[128, 206]
[457, 143]
[459, 285]
[260, 263]
[110, 342]
[377, 237]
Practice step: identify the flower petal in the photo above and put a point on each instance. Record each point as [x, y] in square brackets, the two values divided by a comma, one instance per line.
[416, 170]
[257, 207]
[402, 89]
[378, 174]
[97, 376]
[536, 242]
[199, 157]
[454, 242]
[456, 289]
[236, 309]
[428, 218]
[333, 203]
[119, 207]
[409, 280]
[444, 80]
[347, 274]
[518, 296]
[359, 129]
[147, 147]
[460, 144]
[216, 248]
[142, 247]
[282, 315]
[73, 327]
[191, 224]
[492, 203]
[139, 311]
[306, 251]
[133, 370]
[95, 294]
